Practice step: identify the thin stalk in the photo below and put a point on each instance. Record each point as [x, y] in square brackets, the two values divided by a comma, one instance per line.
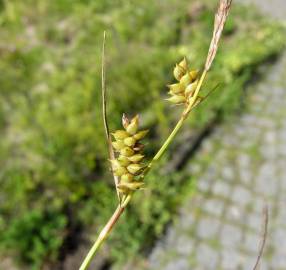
[121, 207]
[104, 114]
[104, 233]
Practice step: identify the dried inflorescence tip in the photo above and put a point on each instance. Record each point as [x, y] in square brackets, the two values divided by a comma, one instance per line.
[220, 19]
[127, 165]
[187, 79]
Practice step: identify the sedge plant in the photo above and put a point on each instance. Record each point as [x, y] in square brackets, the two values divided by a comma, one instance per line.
[125, 145]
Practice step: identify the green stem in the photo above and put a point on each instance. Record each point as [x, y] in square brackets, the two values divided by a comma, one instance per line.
[104, 233]
[121, 207]
[176, 128]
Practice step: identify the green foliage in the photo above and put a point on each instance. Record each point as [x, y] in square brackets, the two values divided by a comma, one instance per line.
[52, 149]
[36, 235]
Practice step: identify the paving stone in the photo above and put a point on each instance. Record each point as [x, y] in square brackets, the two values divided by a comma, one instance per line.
[231, 259]
[254, 221]
[214, 206]
[203, 186]
[279, 261]
[279, 238]
[281, 215]
[241, 195]
[195, 168]
[184, 245]
[268, 152]
[266, 266]
[243, 161]
[247, 262]
[267, 182]
[258, 205]
[234, 214]
[281, 151]
[246, 176]
[207, 227]
[270, 137]
[230, 235]
[187, 220]
[207, 257]
[252, 242]
[228, 173]
[221, 188]
[177, 264]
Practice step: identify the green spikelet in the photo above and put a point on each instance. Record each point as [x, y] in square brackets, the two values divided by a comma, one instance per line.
[134, 168]
[128, 163]
[190, 89]
[128, 177]
[133, 126]
[124, 161]
[136, 158]
[177, 99]
[140, 135]
[120, 134]
[127, 151]
[182, 92]
[176, 88]
[118, 145]
[130, 141]
[185, 80]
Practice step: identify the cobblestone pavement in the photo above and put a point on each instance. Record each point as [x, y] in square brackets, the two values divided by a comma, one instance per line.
[220, 226]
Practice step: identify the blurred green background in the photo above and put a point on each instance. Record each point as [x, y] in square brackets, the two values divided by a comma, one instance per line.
[55, 186]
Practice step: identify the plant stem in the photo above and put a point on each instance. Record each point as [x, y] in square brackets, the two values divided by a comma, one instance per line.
[176, 128]
[121, 207]
[104, 233]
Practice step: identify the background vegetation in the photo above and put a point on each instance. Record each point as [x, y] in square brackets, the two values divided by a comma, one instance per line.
[54, 181]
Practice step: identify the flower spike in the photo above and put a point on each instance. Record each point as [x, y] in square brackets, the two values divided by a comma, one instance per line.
[128, 163]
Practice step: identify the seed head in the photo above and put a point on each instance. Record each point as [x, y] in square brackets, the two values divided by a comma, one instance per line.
[132, 186]
[133, 126]
[124, 161]
[125, 121]
[128, 177]
[136, 158]
[191, 88]
[177, 99]
[120, 134]
[185, 80]
[115, 164]
[120, 171]
[126, 151]
[176, 88]
[188, 81]
[184, 64]
[130, 141]
[127, 165]
[134, 168]
[118, 145]
[178, 72]
[141, 134]
[194, 74]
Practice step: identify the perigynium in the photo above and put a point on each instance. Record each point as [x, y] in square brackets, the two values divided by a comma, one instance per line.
[128, 163]
[125, 151]
[184, 88]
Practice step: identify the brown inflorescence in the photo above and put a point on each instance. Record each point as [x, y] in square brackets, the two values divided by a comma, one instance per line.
[127, 164]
